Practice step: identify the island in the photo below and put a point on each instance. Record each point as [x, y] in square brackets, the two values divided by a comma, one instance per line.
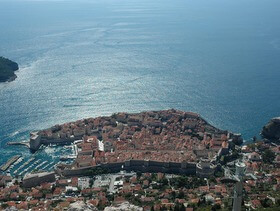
[7, 70]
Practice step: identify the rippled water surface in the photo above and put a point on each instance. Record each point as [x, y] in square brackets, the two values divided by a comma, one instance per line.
[83, 59]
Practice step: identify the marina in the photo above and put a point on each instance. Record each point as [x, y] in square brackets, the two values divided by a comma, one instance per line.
[69, 157]
[48, 166]
[40, 165]
[24, 165]
[15, 165]
[74, 154]
[30, 167]
[45, 158]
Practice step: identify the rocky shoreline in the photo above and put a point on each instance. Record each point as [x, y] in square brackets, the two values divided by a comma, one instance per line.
[12, 78]
[271, 130]
[7, 70]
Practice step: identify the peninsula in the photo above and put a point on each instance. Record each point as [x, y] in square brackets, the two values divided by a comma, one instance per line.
[7, 70]
[161, 141]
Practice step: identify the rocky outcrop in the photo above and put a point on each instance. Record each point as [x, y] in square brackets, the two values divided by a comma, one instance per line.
[81, 206]
[271, 131]
[7, 69]
[123, 207]
[11, 209]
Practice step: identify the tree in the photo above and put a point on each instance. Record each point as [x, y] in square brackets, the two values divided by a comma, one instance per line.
[4, 206]
[138, 174]
[182, 207]
[164, 181]
[266, 203]
[153, 177]
[212, 179]
[216, 207]
[91, 182]
[268, 156]
[254, 139]
[181, 195]
[163, 208]
[173, 195]
[177, 207]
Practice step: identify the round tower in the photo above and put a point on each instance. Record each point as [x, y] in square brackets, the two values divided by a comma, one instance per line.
[240, 169]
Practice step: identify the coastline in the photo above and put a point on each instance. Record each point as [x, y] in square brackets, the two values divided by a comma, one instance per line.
[164, 141]
[12, 78]
[7, 70]
[81, 130]
[64, 133]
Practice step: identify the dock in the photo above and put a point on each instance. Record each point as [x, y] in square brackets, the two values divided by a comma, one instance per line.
[5, 166]
[24, 165]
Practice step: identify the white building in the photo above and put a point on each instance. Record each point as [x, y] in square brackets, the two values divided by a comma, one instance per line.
[83, 182]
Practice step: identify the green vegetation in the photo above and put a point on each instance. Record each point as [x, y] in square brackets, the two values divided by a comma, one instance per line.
[268, 156]
[96, 171]
[7, 69]
[4, 206]
[187, 182]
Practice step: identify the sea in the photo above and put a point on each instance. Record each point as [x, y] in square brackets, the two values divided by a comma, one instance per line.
[86, 58]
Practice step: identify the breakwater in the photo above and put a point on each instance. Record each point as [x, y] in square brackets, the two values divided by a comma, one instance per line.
[5, 166]
[24, 143]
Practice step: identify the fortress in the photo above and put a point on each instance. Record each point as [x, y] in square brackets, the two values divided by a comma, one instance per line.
[168, 141]
[36, 140]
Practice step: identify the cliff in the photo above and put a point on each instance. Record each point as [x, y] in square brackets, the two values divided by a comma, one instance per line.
[271, 131]
[7, 70]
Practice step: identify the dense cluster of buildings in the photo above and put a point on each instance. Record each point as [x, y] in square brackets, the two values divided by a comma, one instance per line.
[169, 137]
[164, 160]
[146, 191]
[153, 191]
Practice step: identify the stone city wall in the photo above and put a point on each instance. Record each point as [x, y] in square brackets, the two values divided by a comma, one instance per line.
[139, 165]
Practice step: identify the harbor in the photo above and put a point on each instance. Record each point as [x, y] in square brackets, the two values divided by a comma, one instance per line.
[43, 160]
[24, 165]
[74, 154]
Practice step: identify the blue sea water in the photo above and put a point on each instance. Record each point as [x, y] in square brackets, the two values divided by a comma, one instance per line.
[85, 58]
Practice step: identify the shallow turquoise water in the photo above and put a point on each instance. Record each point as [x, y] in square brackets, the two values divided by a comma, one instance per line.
[83, 58]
